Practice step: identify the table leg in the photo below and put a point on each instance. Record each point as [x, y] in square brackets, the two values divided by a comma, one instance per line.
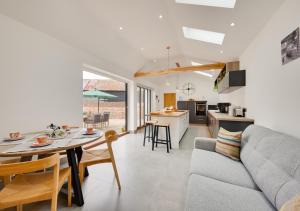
[78, 197]
[79, 152]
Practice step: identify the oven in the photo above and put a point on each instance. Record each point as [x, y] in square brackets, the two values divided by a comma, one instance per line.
[200, 109]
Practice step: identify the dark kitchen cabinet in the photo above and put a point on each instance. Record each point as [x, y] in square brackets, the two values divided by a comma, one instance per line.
[230, 81]
[191, 107]
[182, 105]
[231, 124]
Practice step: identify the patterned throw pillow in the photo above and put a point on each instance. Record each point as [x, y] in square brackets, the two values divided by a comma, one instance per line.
[229, 143]
[292, 205]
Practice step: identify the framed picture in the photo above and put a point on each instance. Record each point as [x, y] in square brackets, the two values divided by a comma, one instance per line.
[290, 47]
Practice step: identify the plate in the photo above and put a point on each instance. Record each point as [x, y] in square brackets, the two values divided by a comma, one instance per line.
[89, 134]
[14, 139]
[36, 144]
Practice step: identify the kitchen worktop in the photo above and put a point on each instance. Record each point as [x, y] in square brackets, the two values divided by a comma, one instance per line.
[171, 114]
[227, 117]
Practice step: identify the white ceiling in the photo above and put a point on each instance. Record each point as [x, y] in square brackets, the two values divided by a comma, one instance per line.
[93, 25]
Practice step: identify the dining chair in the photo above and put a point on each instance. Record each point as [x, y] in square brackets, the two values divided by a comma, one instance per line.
[6, 179]
[105, 119]
[94, 121]
[98, 156]
[32, 183]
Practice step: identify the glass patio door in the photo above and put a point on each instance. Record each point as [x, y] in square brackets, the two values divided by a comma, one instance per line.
[143, 105]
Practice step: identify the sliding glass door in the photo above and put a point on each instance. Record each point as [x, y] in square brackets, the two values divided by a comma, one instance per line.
[105, 99]
[143, 105]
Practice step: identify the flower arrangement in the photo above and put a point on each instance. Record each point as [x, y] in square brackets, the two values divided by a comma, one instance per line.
[54, 131]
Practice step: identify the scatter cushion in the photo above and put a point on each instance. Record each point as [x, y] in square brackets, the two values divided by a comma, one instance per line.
[229, 143]
[292, 205]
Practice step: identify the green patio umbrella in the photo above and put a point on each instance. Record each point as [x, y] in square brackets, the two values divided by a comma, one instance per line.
[98, 94]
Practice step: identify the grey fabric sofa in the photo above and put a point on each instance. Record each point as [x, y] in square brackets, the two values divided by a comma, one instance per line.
[267, 176]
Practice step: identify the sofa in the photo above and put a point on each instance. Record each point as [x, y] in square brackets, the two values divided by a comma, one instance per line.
[267, 176]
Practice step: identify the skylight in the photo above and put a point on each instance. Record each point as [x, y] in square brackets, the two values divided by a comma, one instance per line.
[89, 76]
[201, 72]
[204, 73]
[210, 3]
[195, 63]
[203, 35]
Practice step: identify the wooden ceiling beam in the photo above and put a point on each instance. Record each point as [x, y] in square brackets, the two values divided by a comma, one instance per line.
[180, 70]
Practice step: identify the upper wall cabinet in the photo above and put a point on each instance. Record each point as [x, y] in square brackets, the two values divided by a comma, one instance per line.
[230, 78]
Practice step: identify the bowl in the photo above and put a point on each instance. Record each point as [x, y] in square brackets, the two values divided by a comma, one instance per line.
[90, 130]
[14, 135]
[42, 139]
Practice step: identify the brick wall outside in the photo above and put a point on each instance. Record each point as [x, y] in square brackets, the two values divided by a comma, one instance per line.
[116, 109]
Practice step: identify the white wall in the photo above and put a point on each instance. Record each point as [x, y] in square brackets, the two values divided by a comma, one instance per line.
[272, 93]
[203, 87]
[236, 97]
[40, 79]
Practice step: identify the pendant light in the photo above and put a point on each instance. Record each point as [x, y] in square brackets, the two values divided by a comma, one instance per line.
[168, 49]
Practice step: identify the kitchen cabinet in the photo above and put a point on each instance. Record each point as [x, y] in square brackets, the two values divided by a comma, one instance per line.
[178, 121]
[191, 107]
[230, 81]
[234, 124]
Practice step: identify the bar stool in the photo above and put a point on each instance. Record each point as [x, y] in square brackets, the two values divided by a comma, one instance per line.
[166, 141]
[150, 126]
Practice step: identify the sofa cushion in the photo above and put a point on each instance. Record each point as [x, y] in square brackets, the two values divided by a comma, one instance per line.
[273, 160]
[219, 167]
[207, 194]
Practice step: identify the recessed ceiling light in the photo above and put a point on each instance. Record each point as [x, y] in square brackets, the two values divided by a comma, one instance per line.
[232, 24]
[160, 16]
[121, 28]
[221, 52]
[211, 3]
[203, 35]
[142, 49]
[195, 63]
[204, 73]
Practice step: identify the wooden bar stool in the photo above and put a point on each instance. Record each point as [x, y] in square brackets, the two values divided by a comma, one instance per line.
[150, 126]
[166, 141]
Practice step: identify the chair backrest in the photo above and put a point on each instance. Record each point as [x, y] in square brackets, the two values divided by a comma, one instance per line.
[30, 166]
[111, 135]
[106, 116]
[33, 166]
[97, 118]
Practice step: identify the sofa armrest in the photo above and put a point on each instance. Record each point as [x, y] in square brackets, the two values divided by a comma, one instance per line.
[204, 143]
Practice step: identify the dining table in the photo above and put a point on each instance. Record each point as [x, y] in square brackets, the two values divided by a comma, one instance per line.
[71, 144]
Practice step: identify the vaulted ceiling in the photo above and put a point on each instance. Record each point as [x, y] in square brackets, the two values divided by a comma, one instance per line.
[94, 26]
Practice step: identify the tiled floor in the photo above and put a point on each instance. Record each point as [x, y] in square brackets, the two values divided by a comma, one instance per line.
[151, 180]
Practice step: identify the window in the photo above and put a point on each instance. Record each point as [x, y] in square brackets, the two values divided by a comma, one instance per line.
[211, 3]
[203, 35]
[104, 102]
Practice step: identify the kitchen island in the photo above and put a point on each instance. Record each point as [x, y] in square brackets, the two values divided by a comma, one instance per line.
[226, 121]
[178, 121]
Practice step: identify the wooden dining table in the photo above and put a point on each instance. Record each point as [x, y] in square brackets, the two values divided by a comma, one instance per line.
[73, 147]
